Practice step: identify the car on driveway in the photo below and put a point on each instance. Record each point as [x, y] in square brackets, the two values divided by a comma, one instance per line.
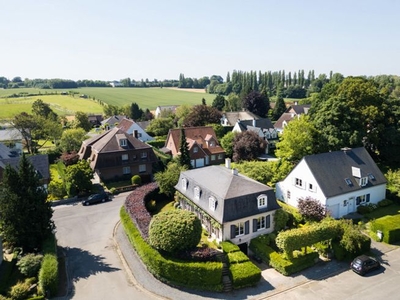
[96, 198]
[363, 264]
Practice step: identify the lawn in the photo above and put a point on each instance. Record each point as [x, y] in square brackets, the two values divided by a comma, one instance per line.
[390, 210]
[66, 105]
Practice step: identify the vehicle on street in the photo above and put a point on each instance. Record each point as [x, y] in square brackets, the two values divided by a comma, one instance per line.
[363, 264]
[96, 198]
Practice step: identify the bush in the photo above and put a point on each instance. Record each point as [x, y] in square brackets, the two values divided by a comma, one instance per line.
[48, 275]
[20, 291]
[288, 267]
[228, 246]
[151, 205]
[136, 180]
[385, 202]
[175, 230]
[244, 274]
[390, 227]
[57, 189]
[29, 264]
[365, 209]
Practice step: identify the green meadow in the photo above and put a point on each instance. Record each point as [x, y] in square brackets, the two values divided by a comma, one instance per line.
[67, 105]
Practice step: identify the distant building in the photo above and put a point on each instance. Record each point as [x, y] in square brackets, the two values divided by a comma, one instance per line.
[116, 83]
[165, 109]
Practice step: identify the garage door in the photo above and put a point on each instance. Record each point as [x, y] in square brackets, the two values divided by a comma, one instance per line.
[199, 162]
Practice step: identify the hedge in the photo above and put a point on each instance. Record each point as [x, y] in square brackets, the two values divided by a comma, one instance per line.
[48, 275]
[390, 227]
[244, 274]
[196, 275]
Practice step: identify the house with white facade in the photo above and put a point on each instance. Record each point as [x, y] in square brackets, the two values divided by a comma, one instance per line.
[165, 109]
[230, 119]
[340, 180]
[292, 112]
[230, 206]
[132, 127]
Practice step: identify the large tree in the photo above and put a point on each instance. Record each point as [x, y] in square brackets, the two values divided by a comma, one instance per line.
[257, 103]
[248, 146]
[25, 215]
[44, 110]
[227, 143]
[78, 178]
[219, 102]
[160, 126]
[280, 106]
[184, 156]
[201, 115]
[82, 121]
[169, 177]
[71, 139]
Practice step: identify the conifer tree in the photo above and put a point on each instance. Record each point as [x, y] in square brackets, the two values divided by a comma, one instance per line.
[184, 157]
[280, 106]
[25, 215]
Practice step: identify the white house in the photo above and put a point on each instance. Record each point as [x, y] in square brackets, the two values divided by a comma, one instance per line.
[132, 127]
[340, 180]
[13, 139]
[232, 117]
[165, 109]
[116, 83]
[230, 206]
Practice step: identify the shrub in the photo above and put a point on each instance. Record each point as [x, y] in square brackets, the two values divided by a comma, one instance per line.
[151, 205]
[136, 180]
[311, 209]
[390, 227]
[281, 218]
[20, 291]
[48, 275]
[57, 189]
[385, 202]
[228, 246]
[29, 264]
[244, 274]
[175, 230]
[288, 267]
[365, 209]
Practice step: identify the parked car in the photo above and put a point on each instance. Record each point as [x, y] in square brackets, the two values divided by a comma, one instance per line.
[96, 198]
[363, 264]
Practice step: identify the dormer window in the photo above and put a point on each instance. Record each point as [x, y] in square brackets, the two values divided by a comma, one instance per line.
[363, 181]
[197, 193]
[123, 142]
[184, 183]
[195, 149]
[212, 203]
[262, 201]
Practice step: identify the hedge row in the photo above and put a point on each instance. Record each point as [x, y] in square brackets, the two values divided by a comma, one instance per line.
[390, 227]
[196, 275]
[48, 275]
[243, 272]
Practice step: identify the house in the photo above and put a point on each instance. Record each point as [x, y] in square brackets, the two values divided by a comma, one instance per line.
[292, 112]
[112, 121]
[204, 148]
[132, 127]
[39, 162]
[166, 109]
[13, 139]
[230, 206]
[116, 83]
[116, 154]
[95, 120]
[262, 127]
[340, 180]
[6, 152]
[229, 119]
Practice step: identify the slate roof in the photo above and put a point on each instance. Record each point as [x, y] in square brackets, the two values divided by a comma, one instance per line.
[5, 152]
[143, 124]
[236, 195]
[262, 123]
[10, 134]
[235, 116]
[284, 117]
[332, 168]
[112, 120]
[109, 141]
[40, 163]
[299, 109]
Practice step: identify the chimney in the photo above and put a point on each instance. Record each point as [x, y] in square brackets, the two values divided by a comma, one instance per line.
[135, 134]
[254, 122]
[228, 163]
[346, 150]
[235, 172]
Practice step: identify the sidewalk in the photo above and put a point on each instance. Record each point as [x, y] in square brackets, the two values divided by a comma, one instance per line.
[271, 284]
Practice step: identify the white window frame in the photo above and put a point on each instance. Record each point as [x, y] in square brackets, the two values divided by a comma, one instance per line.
[197, 192]
[363, 181]
[261, 222]
[184, 184]
[262, 201]
[212, 203]
[239, 229]
[298, 182]
[124, 157]
[123, 142]
[142, 168]
[126, 170]
[312, 187]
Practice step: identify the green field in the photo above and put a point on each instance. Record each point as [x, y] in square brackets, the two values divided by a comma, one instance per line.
[66, 105]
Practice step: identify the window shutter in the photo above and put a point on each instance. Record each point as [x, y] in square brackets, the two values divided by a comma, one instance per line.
[254, 225]
[247, 227]
[233, 231]
[268, 221]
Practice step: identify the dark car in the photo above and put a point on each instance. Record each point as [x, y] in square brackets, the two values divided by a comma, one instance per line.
[363, 264]
[96, 198]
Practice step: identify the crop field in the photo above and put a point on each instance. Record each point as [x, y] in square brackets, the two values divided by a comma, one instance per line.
[66, 105]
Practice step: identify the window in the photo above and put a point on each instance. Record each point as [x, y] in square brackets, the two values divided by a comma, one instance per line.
[184, 183]
[267, 135]
[124, 156]
[123, 142]
[261, 223]
[348, 181]
[212, 157]
[142, 168]
[212, 203]
[239, 229]
[212, 144]
[197, 192]
[144, 155]
[310, 187]
[371, 176]
[126, 170]
[262, 201]
[195, 149]
[298, 182]
[363, 199]
[220, 156]
[363, 181]
[288, 194]
[273, 135]
[345, 203]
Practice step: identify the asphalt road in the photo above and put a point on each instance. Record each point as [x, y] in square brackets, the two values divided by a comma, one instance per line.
[95, 271]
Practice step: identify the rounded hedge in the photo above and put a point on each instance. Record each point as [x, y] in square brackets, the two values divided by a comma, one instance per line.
[174, 231]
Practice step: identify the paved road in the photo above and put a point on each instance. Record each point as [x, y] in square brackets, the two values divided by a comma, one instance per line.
[94, 268]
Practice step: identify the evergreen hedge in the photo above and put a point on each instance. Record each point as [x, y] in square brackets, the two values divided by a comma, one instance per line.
[390, 227]
[48, 275]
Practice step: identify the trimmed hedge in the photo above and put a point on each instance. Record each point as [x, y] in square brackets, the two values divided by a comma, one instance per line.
[48, 275]
[244, 274]
[390, 227]
[196, 275]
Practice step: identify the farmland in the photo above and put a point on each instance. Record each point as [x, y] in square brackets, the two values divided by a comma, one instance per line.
[66, 104]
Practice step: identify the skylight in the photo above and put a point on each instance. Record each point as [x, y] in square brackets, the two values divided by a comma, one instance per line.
[348, 181]
[371, 176]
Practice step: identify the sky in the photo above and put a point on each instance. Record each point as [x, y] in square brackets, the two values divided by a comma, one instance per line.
[112, 40]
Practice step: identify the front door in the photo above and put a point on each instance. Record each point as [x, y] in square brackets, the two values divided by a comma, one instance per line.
[351, 207]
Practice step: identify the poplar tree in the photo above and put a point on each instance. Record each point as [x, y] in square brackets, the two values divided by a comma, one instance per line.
[184, 157]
